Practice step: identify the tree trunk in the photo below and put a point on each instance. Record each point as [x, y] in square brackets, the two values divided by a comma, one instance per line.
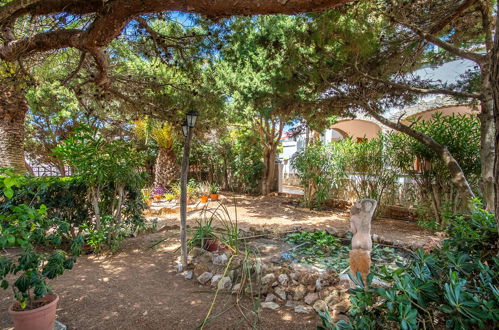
[166, 168]
[494, 79]
[269, 171]
[487, 137]
[95, 199]
[13, 108]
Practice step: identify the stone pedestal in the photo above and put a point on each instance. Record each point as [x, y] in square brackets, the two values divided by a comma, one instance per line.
[360, 261]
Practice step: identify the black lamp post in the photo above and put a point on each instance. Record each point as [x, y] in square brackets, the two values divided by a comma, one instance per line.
[187, 127]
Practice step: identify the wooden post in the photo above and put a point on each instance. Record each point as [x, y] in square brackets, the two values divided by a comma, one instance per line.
[183, 197]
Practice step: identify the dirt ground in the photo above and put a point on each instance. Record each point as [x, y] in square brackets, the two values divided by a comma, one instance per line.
[282, 214]
[138, 288]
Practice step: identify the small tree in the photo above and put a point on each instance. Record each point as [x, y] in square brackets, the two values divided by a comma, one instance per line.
[103, 165]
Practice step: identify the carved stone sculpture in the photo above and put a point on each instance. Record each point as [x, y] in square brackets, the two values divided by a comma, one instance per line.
[360, 225]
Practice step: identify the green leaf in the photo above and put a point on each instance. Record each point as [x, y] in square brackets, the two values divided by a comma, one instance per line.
[8, 192]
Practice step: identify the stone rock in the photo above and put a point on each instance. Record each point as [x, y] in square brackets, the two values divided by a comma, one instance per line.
[275, 284]
[205, 258]
[220, 260]
[303, 309]
[309, 279]
[59, 326]
[201, 268]
[324, 293]
[342, 307]
[291, 303]
[280, 292]
[197, 251]
[205, 277]
[270, 305]
[225, 283]
[267, 279]
[345, 280]
[299, 292]
[187, 274]
[215, 279]
[320, 306]
[333, 298]
[327, 278]
[283, 279]
[293, 276]
[311, 297]
[235, 263]
[236, 288]
[270, 297]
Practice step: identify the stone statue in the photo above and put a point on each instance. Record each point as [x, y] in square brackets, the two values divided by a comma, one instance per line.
[360, 225]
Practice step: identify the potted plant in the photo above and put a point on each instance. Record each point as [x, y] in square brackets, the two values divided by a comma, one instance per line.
[25, 227]
[204, 236]
[204, 191]
[214, 192]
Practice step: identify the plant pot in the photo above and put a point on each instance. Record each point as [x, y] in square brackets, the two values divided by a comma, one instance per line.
[214, 197]
[204, 199]
[211, 245]
[41, 318]
[157, 198]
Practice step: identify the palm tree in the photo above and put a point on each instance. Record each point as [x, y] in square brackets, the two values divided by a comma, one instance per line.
[13, 108]
[166, 169]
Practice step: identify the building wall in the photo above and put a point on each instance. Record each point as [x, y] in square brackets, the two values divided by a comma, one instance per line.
[357, 129]
[445, 111]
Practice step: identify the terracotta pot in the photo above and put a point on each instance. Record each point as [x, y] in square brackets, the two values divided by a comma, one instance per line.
[204, 199]
[214, 197]
[157, 197]
[211, 245]
[41, 318]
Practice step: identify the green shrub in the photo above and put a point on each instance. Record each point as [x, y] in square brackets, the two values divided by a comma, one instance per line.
[66, 201]
[320, 168]
[438, 197]
[111, 171]
[65, 198]
[24, 226]
[456, 286]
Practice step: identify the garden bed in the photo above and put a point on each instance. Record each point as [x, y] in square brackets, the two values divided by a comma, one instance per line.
[299, 271]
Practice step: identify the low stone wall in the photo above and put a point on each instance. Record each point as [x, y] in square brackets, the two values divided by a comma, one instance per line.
[302, 288]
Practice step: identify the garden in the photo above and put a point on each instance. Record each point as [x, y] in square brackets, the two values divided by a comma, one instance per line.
[166, 165]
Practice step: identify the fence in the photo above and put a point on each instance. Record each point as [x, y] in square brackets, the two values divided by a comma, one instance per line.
[39, 170]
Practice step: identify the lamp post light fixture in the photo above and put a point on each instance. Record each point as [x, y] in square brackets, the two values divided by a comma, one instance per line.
[191, 118]
[187, 128]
